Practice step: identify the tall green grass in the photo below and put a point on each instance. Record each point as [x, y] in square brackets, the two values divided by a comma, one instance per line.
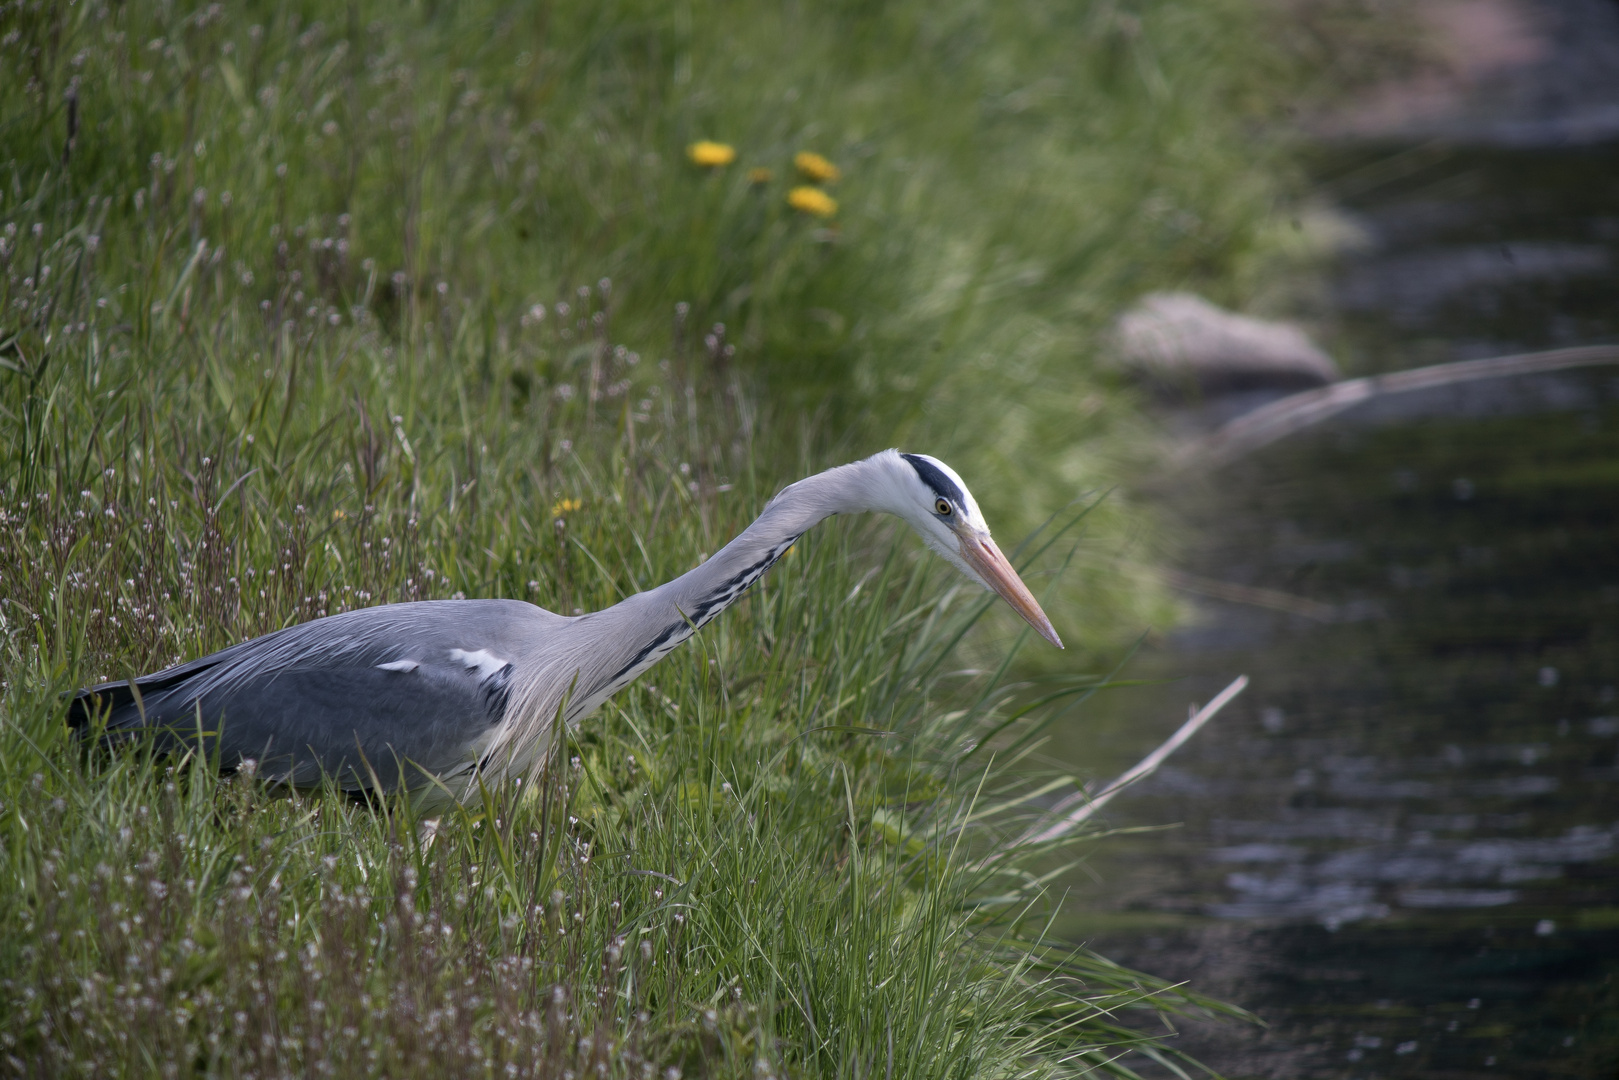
[303, 311]
[776, 855]
[1013, 174]
[765, 859]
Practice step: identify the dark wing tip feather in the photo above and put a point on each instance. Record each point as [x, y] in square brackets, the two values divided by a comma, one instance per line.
[110, 698]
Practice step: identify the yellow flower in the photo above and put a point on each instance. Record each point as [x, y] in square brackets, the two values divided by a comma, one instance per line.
[565, 506]
[816, 168]
[711, 154]
[760, 176]
[338, 515]
[812, 201]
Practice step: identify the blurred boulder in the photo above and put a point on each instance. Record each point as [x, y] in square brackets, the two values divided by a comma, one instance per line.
[1181, 343]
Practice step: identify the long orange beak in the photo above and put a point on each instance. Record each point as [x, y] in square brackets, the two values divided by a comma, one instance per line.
[983, 556]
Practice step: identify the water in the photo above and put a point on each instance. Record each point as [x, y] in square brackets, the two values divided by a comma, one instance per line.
[1401, 845]
[1476, 252]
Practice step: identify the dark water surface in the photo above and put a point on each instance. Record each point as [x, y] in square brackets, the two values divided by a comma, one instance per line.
[1401, 845]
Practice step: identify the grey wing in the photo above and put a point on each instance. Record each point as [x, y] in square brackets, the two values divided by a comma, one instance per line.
[383, 695]
[364, 727]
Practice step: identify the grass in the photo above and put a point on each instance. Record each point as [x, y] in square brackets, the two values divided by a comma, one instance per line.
[1012, 175]
[770, 857]
[304, 312]
[730, 874]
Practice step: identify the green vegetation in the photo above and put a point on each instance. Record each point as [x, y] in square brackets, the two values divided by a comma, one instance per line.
[307, 308]
[759, 861]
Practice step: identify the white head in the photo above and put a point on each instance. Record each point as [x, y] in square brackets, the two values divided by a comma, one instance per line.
[929, 495]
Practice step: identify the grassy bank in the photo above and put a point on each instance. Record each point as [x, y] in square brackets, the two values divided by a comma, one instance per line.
[1011, 176]
[766, 859]
[304, 312]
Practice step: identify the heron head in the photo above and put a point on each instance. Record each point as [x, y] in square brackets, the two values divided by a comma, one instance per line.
[937, 504]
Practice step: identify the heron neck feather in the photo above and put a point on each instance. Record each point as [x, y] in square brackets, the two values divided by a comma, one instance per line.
[851, 488]
[652, 623]
[609, 649]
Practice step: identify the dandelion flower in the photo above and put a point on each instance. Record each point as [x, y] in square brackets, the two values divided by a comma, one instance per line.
[812, 200]
[711, 155]
[760, 176]
[816, 168]
[565, 506]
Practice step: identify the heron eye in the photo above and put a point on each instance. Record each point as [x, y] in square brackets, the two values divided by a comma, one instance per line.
[942, 506]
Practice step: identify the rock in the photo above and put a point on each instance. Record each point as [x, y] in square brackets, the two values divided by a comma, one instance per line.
[1181, 342]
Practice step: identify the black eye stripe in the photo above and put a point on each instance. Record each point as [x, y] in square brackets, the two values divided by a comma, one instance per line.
[937, 482]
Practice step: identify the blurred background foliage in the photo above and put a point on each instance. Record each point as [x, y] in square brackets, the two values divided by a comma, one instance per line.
[258, 178]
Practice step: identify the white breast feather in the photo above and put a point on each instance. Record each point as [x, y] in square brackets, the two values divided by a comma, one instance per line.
[482, 661]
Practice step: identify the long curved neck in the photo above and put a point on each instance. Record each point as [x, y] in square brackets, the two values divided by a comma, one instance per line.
[710, 588]
[652, 623]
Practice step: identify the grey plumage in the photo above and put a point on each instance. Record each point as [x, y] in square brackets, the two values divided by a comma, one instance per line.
[438, 694]
[329, 695]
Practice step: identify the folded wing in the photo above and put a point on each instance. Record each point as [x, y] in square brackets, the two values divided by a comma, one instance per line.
[379, 697]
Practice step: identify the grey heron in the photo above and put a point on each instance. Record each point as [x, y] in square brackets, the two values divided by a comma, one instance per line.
[439, 694]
